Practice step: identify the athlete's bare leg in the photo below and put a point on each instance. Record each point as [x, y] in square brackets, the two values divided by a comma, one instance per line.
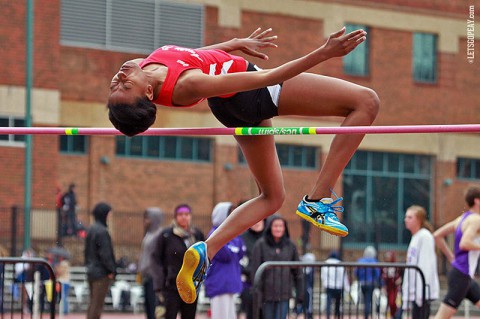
[326, 96]
[321, 96]
[445, 311]
[261, 156]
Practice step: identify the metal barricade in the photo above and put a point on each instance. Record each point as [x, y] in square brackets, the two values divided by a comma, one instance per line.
[29, 288]
[361, 290]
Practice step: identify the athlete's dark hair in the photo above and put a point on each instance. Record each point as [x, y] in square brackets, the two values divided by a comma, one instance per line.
[132, 119]
[471, 194]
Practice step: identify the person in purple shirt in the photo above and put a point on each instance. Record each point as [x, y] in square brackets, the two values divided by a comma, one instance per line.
[224, 280]
[464, 258]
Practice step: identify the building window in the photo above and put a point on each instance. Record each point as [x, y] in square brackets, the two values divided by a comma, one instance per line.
[425, 57]
[357, 62]
[378, 187]
[131, 25]
[73, 144]
[468, 168]
[165, 147]
[10, 121]
[292, 156]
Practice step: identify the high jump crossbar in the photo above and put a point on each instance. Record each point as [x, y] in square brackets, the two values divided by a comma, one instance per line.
[197, 131]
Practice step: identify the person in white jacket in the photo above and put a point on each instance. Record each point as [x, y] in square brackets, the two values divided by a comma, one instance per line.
[421, 253]
[335, 281]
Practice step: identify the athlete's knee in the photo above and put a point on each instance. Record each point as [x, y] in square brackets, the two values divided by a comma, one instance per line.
[369, 103]
[275, 201]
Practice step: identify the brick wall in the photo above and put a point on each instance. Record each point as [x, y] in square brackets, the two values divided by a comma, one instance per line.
[133, 184]
[46, 36]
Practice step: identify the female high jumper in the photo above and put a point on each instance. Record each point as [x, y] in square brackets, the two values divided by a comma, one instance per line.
[240, 94]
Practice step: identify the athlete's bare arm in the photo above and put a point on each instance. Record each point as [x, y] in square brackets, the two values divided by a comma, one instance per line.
[470, 229]
[251, 45]
[195, 85]
[440, 235]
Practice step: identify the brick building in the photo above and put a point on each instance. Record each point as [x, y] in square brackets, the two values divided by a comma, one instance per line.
[416, 59]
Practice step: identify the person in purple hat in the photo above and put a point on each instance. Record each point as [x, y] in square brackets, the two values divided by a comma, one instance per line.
[224, 277]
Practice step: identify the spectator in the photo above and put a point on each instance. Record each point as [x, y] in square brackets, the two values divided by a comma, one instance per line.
[59, 210]
[421, 253]
[276, 289]
[309, 275]
[250, 237]
[152, 221]
[69, 201]
[368, 278]
[392, 279]
[464, 258]
[167, 260]
[335, 281]
[224, 276]
[305, 238]
[99, 260]
[62, 271]
[24, 275]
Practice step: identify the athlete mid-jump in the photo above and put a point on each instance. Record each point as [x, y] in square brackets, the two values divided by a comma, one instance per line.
[241, 94]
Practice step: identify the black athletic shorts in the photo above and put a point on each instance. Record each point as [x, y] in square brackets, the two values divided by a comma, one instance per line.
[247, 108]
[461, 286]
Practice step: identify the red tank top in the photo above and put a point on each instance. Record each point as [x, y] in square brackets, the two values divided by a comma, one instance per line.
[178, 60]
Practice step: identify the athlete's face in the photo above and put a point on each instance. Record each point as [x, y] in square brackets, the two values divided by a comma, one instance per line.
[129, 84]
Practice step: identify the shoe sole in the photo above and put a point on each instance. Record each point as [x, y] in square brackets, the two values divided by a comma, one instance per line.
[328, 229]
[185, 286]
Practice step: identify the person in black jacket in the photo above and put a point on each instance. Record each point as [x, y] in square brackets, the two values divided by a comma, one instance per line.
[69, 202]
[167, 260]
[277, 283]
[99, 260]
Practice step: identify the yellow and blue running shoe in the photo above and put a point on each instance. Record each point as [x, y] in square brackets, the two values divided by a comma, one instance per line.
[193, 272]
[322, 214]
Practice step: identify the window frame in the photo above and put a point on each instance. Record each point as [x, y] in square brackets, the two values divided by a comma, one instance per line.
[13, 139]
[291, 150]
[151, 24]
[474, 168]
[169, 148]
[71, 142]
[424, 59]
[407, 168]
[361, 53]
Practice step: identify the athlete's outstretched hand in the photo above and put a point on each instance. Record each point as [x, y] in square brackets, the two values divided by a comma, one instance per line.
[339, 43]
[258, 40]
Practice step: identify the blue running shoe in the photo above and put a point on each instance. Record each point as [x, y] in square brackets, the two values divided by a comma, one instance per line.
[322, 214]
[193, 272]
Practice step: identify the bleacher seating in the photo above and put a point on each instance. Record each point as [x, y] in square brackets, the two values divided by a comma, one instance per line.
[124, 281]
